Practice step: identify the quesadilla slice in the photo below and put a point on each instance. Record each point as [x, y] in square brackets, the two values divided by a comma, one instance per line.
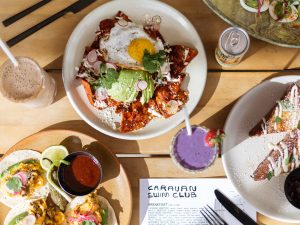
[284, 116]
[283, 157]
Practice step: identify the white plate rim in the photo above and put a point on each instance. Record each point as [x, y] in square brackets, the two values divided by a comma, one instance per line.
[127, 136]
[289, 78]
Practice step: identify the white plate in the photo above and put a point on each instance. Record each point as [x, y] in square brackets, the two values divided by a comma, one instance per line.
[175, 28]
[242, 154]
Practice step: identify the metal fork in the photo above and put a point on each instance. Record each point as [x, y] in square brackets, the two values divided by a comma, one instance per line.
[211, 216]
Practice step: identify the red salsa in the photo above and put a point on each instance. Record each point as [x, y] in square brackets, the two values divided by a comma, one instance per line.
[82, 175]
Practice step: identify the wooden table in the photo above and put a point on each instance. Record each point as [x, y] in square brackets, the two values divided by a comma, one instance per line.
[222, 90]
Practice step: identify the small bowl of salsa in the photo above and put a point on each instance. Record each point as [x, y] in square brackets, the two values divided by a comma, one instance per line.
[82, 175]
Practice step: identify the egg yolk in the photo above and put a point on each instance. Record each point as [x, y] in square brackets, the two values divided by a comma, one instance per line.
[138, 46]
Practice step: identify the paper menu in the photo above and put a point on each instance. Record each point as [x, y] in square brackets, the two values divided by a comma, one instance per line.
[178, 201]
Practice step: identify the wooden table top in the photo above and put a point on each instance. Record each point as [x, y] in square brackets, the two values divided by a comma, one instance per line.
[222, 90]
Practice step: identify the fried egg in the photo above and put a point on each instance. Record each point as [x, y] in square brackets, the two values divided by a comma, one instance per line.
[126, 44]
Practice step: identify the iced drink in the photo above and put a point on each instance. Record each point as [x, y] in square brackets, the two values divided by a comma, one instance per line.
[193, 153]
[27, 83]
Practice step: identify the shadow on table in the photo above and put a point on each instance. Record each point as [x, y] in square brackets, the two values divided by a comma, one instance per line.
[209, 90]
[60, 90]
[136, 169]
[113, 143]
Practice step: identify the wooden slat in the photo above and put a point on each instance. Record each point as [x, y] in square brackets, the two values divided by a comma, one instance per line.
[221, 92]
[164, 168]
[47, 45]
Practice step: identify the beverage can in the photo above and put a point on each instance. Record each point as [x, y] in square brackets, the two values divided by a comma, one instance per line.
[233, 44]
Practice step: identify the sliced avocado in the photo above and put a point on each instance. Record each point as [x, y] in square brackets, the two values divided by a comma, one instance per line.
[18, 218]
[149, 91]
[14, 166]
[252, 3]
[124, 89]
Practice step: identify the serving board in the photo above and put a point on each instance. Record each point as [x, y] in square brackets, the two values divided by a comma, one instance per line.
[115, 186]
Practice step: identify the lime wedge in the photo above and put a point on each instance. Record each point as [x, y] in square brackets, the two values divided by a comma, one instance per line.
[53, 155]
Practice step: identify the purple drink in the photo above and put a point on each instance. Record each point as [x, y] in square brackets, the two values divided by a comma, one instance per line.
[191, 152]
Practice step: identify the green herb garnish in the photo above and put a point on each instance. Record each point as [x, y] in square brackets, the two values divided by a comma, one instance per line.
[14, 184]
[270, 175]
[287, 160]
[107, 78]
[87, 222]
[65, 162]
[286, 105]
[277, 119]
[279, 9]
[153, 62]
[298, 125]
[104, 215]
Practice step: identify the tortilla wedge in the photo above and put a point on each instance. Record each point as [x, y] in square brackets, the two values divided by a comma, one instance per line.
[38, 212]
[88, 91]
[111, 216]
[11, 161]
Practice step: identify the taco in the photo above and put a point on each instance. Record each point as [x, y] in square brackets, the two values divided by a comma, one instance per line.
[37, 212]
[91, 209]
[22, 178]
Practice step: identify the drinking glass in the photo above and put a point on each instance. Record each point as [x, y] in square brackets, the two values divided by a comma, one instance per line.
[27, 83]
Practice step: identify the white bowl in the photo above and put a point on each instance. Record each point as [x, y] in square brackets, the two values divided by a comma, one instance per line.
[175, 28]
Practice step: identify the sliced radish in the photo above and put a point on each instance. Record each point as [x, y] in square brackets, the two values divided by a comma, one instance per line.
[142, 85]
[92, 56]
[111, 66]
[122, 22]
[156, 27]
[172, 107]
[23, 177]
[96, 67]
[29, 220]
[136, 86]
[101, 94]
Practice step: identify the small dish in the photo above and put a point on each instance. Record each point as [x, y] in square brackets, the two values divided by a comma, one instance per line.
[292, 188]
[82, 176]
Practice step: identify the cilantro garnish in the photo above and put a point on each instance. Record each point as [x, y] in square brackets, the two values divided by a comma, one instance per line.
[153, 62]
[286, 105]
[14, 184]
[270, 175]
[277, 119]
[216, 140]
[298, 126]
[104, 216]
[287, 160]
[107, 78]
[87, 222]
